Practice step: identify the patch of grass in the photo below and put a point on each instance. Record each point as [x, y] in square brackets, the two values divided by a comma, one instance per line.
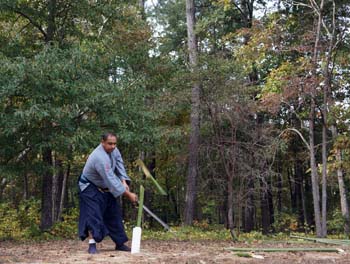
[179, 233]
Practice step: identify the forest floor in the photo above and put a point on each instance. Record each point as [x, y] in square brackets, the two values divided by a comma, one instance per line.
[156, 251]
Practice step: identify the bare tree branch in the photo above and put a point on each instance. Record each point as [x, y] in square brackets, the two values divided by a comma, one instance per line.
[35, 24]
[299, 133]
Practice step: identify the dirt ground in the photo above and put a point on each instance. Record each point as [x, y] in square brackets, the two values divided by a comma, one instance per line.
[74, 251]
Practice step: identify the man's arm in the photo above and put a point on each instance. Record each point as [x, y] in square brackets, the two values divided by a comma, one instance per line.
[120, 168]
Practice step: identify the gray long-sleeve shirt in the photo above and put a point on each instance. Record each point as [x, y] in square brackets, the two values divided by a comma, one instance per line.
[105, 170]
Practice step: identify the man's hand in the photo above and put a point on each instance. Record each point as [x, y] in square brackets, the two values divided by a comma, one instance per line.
[126, 185]
[131, 196]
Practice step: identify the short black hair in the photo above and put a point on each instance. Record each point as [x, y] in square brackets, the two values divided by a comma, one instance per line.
[105, 135]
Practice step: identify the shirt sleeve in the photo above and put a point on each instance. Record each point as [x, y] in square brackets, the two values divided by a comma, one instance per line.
[112, 182]
[119, 167]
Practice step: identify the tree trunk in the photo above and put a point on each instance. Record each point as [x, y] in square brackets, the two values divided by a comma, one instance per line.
[195, 109]
[264, 206]
[55, 187]
[342, 190]
[229, 202]
[142, 8]
[305, 214]
[324, 166]
[3, 184]
[247, 8]
[327, 90]
[270, 200]
[314, 173]
[63, 192]
[291, 189]
[172, 201]
[230, 216]
[298, 191]
[51, 26]
[230, 177]
[25, 186]
[279, 188]
[310, 219]
[249, 209]
[46, 201]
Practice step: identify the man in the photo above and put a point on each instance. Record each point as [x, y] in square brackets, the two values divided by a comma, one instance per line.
[103, 180]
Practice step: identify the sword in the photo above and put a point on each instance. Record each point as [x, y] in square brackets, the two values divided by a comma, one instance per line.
[160, 221]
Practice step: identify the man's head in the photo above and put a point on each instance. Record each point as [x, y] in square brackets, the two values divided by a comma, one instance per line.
[109, 141]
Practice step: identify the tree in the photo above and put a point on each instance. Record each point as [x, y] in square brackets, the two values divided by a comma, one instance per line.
[69, 82]
[195, 112]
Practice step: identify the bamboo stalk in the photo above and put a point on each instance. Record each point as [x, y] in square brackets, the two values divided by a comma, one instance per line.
[285, 250]
[343, 242]
[139, 214]
[337, 240]
[149, 176]
[324, 240]
[286, 241]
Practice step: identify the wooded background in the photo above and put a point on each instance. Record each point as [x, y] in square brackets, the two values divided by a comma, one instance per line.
[240, 109]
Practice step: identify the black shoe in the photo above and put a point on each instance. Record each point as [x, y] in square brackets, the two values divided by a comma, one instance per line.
[92, 249]
[123, 248]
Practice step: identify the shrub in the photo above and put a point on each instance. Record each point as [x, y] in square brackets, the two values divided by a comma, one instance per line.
[336, 222]
[10, 227]
[68, 227]
[285, 222]
[21, 222]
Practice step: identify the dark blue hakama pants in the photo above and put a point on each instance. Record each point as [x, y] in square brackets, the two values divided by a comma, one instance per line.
[100, 213]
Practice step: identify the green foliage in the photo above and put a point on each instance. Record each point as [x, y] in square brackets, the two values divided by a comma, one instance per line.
[65, 92]
[285, 222]
[336, 222]
[209, 209]
[21, 222]
[281, 78]
[62, 103]
[28, 215]
[68, 227]
[9, 223]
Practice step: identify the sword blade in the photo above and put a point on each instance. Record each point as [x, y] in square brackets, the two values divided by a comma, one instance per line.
[160, 221]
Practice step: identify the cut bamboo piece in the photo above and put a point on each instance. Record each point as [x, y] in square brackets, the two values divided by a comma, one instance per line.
[343, 242]
[244, 254]
[337, 250]
[149, 176]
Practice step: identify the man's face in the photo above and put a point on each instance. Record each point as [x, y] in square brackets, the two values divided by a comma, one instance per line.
[109, 144]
